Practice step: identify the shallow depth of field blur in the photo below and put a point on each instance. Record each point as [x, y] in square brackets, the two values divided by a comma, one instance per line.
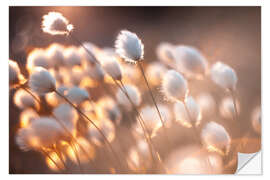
[228, 34]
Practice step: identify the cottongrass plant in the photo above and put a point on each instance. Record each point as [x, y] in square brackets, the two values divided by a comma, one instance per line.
[225, 77]
[64, 78]
[130, 47]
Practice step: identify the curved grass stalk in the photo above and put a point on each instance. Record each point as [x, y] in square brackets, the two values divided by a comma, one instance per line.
[142, 124]
[154, 101]
[76, 156]
[47, 155]
[88, 119]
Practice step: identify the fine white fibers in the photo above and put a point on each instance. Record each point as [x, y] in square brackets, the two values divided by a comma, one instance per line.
[41, 81]
[72, 57]
[68, 115]
[227, 109]
[224, 76]
[37, 58]
[207, 104]
[190, 61]
[190, 118]
[55, 54]
[155, 71]
[55, 23]
[174, 86]
[113, 68]
[53, 99]
[133, 94]
[77, 95]
[36, 135]
[216, 138]
[23, 99]
[14, 73]
[129, 46]
[256, 119]
[165, 54]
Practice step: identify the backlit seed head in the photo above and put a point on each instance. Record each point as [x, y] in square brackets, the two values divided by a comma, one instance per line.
[72, 57]
[207, 104]
[68, 115]
[174, 86]
[129, 46]
[224, 76]
[77, 95]
[55, 55]
[36, 135]
[37, 57]
[27, 116]
[55, 23]
[22, 99]
[41, 81]
[182, 116]
[165, 54]
[133, 94]
[112, 67]
[190, 61]
[216, 138]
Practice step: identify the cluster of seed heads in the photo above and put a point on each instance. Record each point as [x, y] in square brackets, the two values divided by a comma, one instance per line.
[64, 76]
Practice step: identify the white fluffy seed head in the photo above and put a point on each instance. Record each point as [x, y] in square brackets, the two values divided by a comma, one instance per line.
[155, 72]
[133, 94]
[41, 133]
[55, 54]
[174, 86]
[72, 57]
[77, 95]
[23, 100]
[227, 109]
[27, 116]
[151, 119]
[129, 46]
[182, 116]
[224, 76]
[190, 61]
[53, 99]
[37, 57]
[207, 104]
[256, 119]
[41, 81]
[55, 23]
[216, 138]
[165, 54]
[68, 115]
[15, 76]
[113, 68]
